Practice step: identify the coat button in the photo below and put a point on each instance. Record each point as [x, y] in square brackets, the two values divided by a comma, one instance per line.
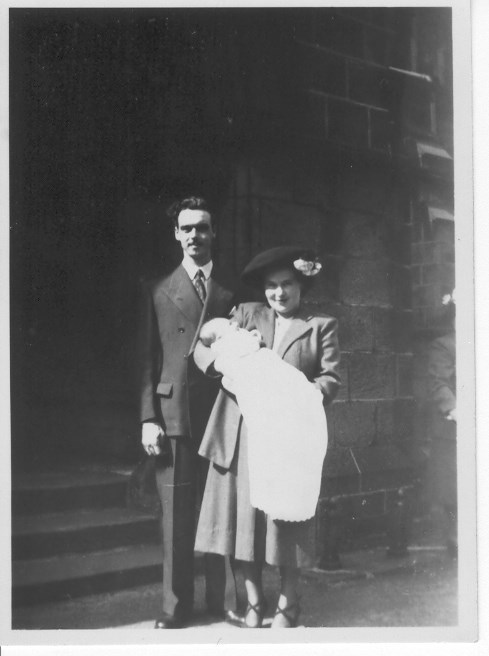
[181, 330]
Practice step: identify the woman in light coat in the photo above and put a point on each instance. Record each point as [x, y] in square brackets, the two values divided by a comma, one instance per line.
[228, 523]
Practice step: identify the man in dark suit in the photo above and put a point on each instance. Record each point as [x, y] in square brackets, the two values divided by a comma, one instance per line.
[176, 400]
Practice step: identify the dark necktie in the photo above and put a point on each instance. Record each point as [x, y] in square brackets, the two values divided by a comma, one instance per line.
[200, 285]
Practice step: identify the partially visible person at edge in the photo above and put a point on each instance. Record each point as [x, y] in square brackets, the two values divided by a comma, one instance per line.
[443, 389]
[228, 523]
[176, 399]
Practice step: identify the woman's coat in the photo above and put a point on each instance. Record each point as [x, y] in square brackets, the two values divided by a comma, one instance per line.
[310, 345]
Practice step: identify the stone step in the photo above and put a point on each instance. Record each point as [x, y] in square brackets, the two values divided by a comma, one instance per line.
[133, 608]
[95, 611]
[39, 536]
[52, 492]
[71, 575]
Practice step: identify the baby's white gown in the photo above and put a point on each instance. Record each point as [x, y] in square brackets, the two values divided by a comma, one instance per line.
[287, 430]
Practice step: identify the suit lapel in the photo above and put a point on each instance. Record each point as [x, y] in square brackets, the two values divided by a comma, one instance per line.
[265, 322]
[218, 296]
[298, 327]
[182, 292]
[217, 302]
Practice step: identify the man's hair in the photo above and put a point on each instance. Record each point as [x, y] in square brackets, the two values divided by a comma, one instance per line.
[190, 203]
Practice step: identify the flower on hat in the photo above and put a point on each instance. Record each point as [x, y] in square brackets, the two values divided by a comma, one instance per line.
[308, 267]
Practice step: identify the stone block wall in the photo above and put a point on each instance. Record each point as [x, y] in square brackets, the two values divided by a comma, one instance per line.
[433, 273]
[326, 127]
[356, 172]
[433, 269]
[348, 220]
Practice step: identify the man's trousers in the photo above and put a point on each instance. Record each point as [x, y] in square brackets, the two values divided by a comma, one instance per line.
[180, 479]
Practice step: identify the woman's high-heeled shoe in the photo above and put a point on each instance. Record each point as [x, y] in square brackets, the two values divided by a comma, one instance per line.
[259, 609]
[290, 614]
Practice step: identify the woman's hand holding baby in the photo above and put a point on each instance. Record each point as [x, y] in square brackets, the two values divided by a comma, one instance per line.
[229, 343]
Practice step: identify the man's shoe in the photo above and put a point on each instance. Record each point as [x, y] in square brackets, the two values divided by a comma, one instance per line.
[231, 617]
[221, 615]
[169, 622]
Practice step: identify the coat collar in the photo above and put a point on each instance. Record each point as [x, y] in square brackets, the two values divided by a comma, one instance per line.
[217, 302]
[299, 325]
[181, 291]
[265, 323]
[191, 268]
[217, 294]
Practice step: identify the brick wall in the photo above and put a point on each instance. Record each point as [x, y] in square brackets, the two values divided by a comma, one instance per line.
[324, 127]
[433, 269]
[432, 225]
[356, 172]
[349, 225]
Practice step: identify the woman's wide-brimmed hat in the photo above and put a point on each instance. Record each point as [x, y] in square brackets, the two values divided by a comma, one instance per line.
[300, 259]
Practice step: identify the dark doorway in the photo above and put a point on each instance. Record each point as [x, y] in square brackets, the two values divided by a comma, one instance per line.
[114, 113]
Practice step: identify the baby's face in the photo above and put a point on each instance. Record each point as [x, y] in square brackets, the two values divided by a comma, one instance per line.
[234, 328]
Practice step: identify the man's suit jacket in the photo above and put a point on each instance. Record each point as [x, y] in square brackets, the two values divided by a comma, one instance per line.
[310, 345]
[174, 392]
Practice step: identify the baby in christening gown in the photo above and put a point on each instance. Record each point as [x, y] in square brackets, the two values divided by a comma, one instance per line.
[284, 416]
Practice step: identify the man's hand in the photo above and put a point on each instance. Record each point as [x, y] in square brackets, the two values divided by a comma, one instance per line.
[151, 434]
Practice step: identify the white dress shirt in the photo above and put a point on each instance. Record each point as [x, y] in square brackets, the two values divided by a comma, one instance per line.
[191, 268]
